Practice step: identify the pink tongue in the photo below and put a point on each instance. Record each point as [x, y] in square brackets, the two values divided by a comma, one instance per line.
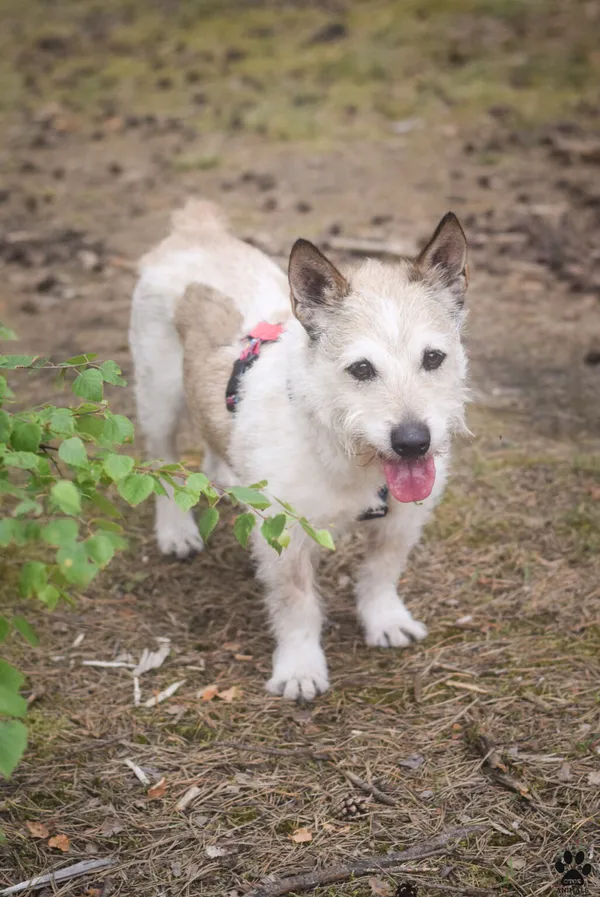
[410, 480]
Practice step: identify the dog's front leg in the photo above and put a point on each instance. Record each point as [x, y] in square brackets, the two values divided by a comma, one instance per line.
[299, 664]
[385, 619]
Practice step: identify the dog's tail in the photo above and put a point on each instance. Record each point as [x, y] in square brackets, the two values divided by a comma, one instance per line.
[199, 219]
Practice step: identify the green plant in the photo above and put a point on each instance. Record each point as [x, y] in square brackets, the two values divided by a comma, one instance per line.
[61, 469]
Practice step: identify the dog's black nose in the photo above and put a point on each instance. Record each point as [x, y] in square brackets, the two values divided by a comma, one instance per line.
[411, 439]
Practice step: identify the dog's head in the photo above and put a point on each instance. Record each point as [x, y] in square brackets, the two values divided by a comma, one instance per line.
[387, 367]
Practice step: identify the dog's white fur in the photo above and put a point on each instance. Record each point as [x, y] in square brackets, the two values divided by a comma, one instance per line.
[304, 424]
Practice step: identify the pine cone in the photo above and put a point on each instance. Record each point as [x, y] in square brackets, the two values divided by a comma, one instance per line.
[353, 807]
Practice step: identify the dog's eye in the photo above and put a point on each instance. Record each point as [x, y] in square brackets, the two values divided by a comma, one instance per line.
[432, 359]
[362, 370]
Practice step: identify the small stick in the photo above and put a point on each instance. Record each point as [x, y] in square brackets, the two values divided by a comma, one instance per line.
[370, 789]
[361, 868]
[53, 878]
[138, 772]
[163, 695]
[108, 664]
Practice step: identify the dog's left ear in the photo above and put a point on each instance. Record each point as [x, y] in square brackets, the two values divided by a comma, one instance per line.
[315, 284]
[445, 257]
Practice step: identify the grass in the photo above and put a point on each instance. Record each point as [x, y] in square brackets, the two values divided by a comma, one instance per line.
[272, 70]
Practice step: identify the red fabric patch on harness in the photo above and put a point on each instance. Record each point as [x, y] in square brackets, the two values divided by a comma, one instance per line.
[266, 333]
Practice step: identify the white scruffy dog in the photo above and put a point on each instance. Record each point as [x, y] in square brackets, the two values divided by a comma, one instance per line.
[349, 414]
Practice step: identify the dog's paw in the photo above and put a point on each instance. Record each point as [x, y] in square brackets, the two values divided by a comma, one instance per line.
[391, 625]
[299, 673]
[176, 530]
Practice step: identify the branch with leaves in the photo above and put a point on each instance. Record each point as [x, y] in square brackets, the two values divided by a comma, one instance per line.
[61, 470]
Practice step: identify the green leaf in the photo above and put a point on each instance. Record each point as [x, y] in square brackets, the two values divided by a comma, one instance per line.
[251, 497]
[26, 630]
[5, 426]
[49, 596]
[136, 488]
[81, 359]
[60, 532]
[7, 333]
[12, 362]
[242, 527]
[100, 549]
[103, 504]
[22, 460]
[66, 496]
[26, 436]
[198, 482]
[75, 565]
[7, 531]
[61, 422]
[118, 466]
[117, 429]
[4, 628]
[185, 498]
[273, 527]
[111, 372]
[12, 703]
[32, 579]
[28, 506]
[88, 385]
[90, 425]
[72, 451]
[321, 537]
[207, 523]
[108, 525]
[13, 741]
[10, 677]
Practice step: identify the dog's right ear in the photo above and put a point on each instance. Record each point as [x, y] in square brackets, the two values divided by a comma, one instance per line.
[315, 284]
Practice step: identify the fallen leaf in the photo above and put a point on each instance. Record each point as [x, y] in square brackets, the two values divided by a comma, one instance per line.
[564, 773]
[37, 830]
[594, 778]
[380, 888]
[157, 791]
[213, 852]
[231, 646]
[111, 827]
[413, 762]
[230, 694]
[60, 842]
[516, 862]
[208, 693]
[190, 795]
[92, 892]
[301, 836]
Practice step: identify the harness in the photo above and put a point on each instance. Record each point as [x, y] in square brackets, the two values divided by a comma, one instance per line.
[270, 333]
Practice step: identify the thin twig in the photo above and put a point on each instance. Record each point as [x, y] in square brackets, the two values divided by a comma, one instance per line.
[344, 872]
[53, 878]
[370, 789]
[274, 752]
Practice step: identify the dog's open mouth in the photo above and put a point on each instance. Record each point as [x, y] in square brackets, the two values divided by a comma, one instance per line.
[410, 479]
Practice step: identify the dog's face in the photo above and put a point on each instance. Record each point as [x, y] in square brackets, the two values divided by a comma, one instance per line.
[387, 367]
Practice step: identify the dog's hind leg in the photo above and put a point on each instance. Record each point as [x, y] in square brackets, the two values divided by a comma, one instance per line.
[299, 664]
[158, 360]
[386, 621]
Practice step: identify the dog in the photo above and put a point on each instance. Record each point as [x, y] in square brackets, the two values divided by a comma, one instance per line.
[347, 411]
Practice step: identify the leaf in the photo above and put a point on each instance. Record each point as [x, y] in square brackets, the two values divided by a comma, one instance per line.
[25, 629]
[22, 460]
[118, 466]
[75, 565]
[185, 498]
[81, 359]
[117, 429]
[61, 422]
[4, 629]
[66, 496]
[90, 425]
[251, 497]
[49, 596]
[26, 436]
[103, 504]
[60, 842]
[12, 362]
[61, 531]
[32, 579]
[13, 741]
[5, 426]
[301, 836]
[100, 548]
[209, 693]
[212, 851]
[88, 385]
[321, 536]
[72, 451]
[111, 373]
[273, 527]
[7, 531]
[157, 791]
[136, 488]
[242, 528]
[7, 333]
[37, 830]
[230, 694]
[594, 778]
[198, 482]
[207, 522]
[380, 887]
[28, 506]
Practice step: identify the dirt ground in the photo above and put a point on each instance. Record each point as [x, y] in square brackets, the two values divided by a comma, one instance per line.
[508, 577]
